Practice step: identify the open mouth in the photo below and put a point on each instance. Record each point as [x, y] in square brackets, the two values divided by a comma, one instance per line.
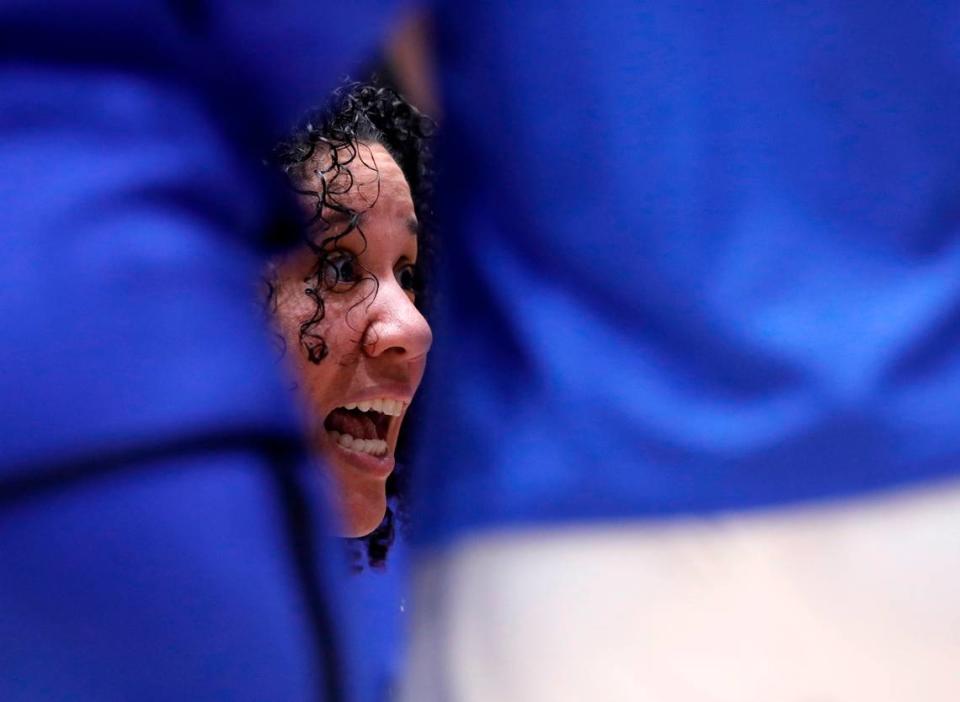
[363, 426]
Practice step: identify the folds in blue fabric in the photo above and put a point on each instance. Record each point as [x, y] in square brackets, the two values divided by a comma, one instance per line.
[160, 537]
[701, 257]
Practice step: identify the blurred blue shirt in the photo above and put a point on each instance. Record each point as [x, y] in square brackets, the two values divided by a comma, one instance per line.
[160, 538]
[698, 257]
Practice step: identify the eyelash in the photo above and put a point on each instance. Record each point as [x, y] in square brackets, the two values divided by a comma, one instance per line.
[413, 283]
[333, 273]
[408, 276]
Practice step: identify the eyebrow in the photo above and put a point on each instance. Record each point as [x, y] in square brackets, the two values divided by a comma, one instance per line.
[333, 219]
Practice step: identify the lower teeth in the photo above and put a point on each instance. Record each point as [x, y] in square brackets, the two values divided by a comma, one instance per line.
[374, 447]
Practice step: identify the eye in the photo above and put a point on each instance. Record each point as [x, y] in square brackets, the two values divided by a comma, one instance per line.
[409, 278]
[340, 267]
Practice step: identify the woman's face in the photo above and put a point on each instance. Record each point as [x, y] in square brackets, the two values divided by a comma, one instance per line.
[372, 339]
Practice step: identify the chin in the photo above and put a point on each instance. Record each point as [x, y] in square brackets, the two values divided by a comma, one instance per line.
[359, 530]
[360, 496]
[358, 523]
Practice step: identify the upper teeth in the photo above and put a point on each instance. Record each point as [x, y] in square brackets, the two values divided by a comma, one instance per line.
[384, 405]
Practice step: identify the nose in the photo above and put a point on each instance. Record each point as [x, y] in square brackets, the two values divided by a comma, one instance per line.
[396, 328]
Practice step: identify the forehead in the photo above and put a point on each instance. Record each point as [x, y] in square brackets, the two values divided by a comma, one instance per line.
[357, 175]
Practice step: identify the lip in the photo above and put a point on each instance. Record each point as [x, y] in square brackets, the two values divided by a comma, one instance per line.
[375, 466]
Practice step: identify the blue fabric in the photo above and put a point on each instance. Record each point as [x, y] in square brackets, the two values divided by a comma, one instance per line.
[170, 579]
[136, 210]
[134, 214]
[699, 257]
[378, 596]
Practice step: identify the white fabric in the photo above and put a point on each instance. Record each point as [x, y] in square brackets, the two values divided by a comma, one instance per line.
[853, 601]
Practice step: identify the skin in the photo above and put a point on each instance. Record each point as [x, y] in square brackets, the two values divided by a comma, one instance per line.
[376, 338]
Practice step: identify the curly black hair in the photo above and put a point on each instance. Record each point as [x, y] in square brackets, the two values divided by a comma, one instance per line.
[320, 151]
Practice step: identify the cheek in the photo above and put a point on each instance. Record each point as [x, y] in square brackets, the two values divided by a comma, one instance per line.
[309, 330]
[418, 378]
[315, 381]
[293, 308]
[321, 380]
[418, 368]
[292, 311]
